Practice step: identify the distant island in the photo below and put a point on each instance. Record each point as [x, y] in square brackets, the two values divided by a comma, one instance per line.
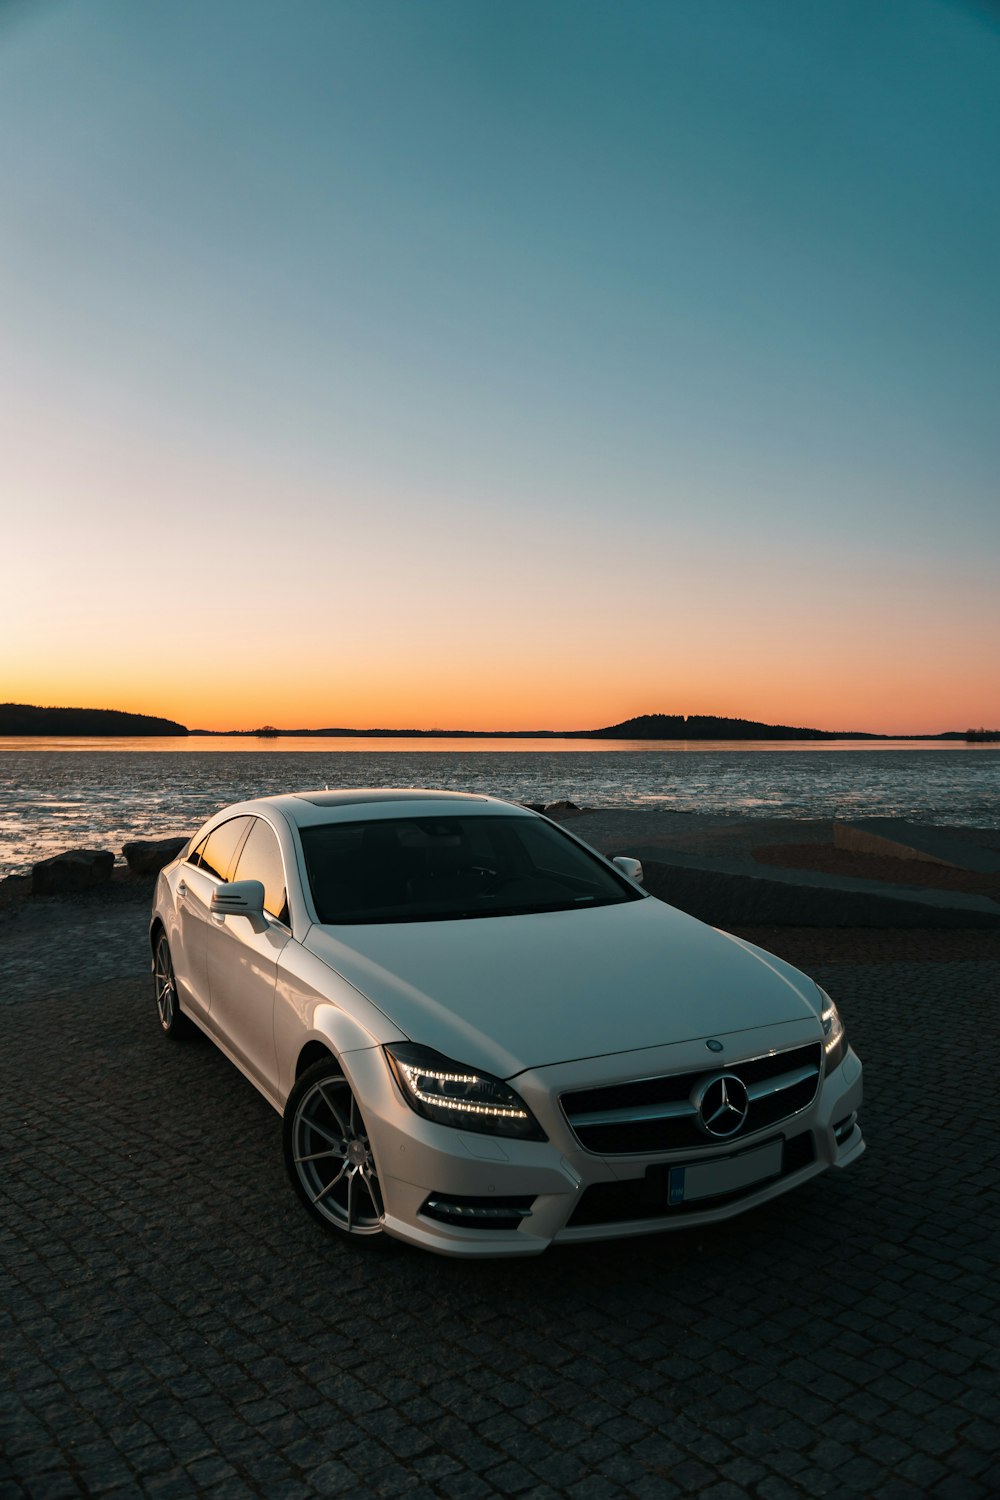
[26, 719]
[87, 723]
[642, 727]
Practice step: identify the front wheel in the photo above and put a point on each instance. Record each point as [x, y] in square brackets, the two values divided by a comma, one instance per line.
[329, 1156]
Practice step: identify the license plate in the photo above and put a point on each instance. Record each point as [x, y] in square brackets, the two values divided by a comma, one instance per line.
[707, 1179]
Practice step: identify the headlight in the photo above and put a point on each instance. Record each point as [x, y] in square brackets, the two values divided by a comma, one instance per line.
[834, 1035]
[452, 1094]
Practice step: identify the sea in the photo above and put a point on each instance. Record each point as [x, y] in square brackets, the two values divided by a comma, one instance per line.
[58, 794]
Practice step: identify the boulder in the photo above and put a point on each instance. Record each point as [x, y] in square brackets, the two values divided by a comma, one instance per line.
[148, 856]
[561, 809]
[75, 870]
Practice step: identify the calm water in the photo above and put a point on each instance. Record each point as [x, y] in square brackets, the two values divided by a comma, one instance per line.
[62, 794]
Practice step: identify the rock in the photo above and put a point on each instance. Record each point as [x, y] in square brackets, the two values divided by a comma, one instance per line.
[148, 856]
[534, 806]
[75, 870]
[561, 809]
[13, 888]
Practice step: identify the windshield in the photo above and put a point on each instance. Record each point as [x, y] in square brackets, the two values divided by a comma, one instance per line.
[446, 868]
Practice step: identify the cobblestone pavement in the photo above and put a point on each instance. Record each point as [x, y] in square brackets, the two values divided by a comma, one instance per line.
[174, 1325]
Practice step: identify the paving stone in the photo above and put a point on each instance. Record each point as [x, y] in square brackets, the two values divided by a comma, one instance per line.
[332, 1479]
[467, 1486]
[956, 1487]
[596, 1487]
[897, 1489]
[511, 1478]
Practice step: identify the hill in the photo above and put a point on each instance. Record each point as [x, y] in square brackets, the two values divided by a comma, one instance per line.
[642, 727]
[25, 718]
[708, 727]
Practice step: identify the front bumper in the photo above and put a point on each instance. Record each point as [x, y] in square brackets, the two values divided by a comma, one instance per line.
[446, 1189]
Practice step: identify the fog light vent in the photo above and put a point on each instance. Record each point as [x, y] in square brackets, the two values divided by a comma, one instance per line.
[845, 1127]
[478, 1213]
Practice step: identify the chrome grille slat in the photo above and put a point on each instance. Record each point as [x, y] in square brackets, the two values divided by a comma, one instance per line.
[785, 1081]
[629, 1116]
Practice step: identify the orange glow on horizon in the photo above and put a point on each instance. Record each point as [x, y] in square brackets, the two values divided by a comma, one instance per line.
[516, 701]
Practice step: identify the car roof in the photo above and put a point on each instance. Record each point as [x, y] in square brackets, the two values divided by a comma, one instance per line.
[348, 803]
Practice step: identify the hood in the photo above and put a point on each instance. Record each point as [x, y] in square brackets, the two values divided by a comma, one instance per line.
[508, 993]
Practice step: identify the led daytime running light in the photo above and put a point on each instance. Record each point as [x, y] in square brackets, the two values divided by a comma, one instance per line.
[834, 1035]
[413, 1075]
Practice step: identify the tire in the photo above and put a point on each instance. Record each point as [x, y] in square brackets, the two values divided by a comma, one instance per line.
[173, 1022]
[328, 1155]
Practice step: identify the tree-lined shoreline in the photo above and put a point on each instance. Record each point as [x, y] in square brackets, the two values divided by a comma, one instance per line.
[25, 719]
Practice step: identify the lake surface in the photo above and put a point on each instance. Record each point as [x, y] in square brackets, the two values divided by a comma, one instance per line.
[60, 794]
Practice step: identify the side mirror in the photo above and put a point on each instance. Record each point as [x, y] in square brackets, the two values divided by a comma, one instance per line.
[240, 898]
[630, 867]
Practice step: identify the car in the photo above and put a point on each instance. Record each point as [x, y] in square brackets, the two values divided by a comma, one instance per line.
[483, 1036]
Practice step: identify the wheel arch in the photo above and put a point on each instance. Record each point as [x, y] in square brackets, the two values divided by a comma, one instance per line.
[313, 1052]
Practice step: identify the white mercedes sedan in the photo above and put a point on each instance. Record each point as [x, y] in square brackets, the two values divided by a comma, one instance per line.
[485, 1037]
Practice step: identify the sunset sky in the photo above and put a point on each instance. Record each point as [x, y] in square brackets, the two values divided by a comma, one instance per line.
[501, 365]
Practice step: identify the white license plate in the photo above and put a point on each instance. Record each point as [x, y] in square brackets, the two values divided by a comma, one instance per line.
[706, 1179]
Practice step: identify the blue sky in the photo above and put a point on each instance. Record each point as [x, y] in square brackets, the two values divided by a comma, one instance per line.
[691, 304]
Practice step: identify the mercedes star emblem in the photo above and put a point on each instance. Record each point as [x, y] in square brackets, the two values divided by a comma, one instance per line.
[722, 1103]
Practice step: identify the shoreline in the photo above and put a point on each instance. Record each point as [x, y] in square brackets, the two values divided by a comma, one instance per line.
[550, 741]
[757, 849]
[674, 829]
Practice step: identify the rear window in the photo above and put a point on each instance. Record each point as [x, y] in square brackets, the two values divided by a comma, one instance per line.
[447, 868]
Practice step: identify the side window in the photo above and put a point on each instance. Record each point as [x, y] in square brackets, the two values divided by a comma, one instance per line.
[221, 845]
[261, 860]
[194, 858]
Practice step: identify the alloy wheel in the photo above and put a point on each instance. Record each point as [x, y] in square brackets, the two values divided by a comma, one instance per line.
[332, 1157]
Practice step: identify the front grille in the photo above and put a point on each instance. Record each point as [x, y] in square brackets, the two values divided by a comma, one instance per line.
[647, 1197]
[656, 1114]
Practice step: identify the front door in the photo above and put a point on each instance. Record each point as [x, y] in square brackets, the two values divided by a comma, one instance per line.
[243, 962]
[200, 877]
